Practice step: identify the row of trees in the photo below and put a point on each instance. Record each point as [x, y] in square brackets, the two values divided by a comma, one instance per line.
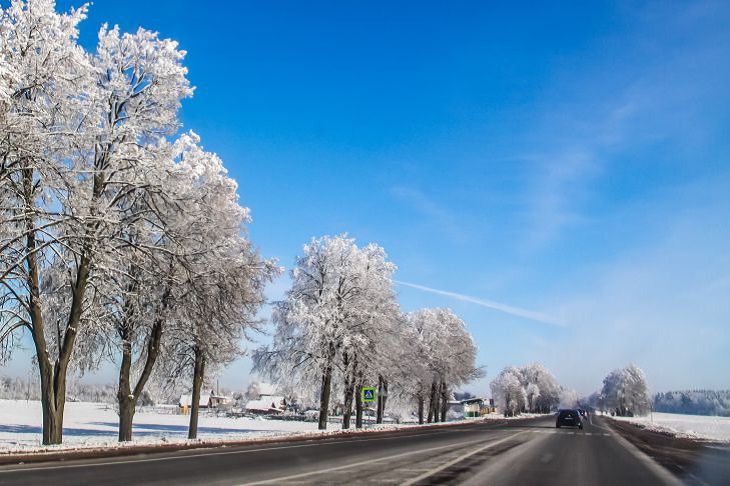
[339, 328]
[694, 402]
[530, 388]
[121, 239]
[118, 238]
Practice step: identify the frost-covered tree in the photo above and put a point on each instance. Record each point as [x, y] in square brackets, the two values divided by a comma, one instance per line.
[625, 391]
[539, 391]
[110, 233]
[186, 297]
[541, 388]
[568, 398]
[694, 402]
[508, 392]
[448, 355]
[51, 196]
[339, 294]
[223, 277]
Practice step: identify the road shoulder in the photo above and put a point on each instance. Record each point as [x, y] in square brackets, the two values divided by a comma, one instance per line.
[690, 460]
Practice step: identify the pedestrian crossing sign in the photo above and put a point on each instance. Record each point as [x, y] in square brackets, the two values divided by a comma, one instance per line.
[368, 394]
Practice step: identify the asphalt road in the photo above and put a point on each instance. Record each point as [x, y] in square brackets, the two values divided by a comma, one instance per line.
[520, 452]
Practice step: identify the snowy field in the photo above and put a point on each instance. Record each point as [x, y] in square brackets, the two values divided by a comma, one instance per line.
[95, 425]
[692, 426]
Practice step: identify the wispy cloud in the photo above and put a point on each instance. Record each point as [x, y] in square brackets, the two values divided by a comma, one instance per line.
[562, 182]
[490, 304]
[431, 210]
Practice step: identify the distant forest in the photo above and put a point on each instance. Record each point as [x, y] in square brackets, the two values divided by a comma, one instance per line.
[694, 402]
[17, 388]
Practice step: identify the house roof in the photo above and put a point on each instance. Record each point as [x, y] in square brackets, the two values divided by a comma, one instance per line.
[187, 400]
[267, 402]
[475, 400]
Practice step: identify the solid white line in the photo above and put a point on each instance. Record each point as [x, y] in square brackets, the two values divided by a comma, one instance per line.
[205, 452]
[356, 464]
[458, 459]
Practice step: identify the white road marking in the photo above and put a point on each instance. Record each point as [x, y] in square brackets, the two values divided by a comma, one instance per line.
[356, 464]
[458, 459]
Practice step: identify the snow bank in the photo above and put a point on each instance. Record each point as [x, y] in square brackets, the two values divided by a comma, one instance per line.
[691, 426]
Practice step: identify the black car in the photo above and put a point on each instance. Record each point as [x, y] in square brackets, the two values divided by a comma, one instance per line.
[569, 417]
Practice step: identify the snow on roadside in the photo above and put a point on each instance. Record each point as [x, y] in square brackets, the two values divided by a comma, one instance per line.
[690, 426]
[94, 425]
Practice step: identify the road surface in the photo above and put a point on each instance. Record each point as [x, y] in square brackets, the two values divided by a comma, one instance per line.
[519, 452]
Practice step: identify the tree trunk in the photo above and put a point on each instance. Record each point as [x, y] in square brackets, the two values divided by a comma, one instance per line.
[379, 412]
[358, 406]
[349, 395]
[324, 397]
[126, 416]
[52, 419]
[420, 409]
[198, 373]
[51, 403]
[431, 403]
[126, 397]
[444, 401]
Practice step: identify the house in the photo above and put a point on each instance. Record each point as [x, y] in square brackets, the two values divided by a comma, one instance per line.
[267, 405]
[186, 402]
[477, 407]
[269, 402]
[220, 401]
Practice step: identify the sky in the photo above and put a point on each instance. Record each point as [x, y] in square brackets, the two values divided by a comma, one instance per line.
[557, 174]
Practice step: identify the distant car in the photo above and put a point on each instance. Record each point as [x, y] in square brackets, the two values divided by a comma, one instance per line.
[583, 413]
[569, 418]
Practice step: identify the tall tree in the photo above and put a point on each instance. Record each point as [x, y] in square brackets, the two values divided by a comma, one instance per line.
[225, 279]
[80, 152]
[50, 199]
[625, 391]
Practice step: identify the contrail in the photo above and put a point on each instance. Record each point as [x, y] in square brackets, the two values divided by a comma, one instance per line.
[507, 309]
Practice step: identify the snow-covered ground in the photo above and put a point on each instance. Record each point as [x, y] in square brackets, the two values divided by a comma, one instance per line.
[95, 425]
[693, 426]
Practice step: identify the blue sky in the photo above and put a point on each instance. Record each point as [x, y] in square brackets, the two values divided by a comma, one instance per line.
[570, 160]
